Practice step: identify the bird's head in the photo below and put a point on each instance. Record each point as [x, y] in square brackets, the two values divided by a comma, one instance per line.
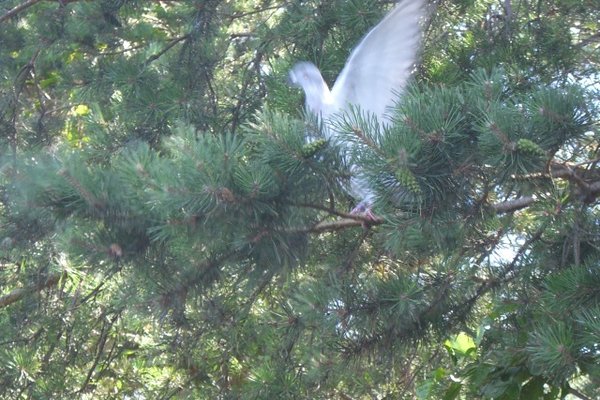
[303, 74]
[308, 77]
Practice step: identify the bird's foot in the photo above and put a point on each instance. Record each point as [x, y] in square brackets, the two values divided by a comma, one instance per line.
[364, 209]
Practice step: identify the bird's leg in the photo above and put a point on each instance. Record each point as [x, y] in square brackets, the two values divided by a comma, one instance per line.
[364, 208]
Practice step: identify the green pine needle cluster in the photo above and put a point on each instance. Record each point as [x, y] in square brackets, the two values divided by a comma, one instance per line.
[173, 226]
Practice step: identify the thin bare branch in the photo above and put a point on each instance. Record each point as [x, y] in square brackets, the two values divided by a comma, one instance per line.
[340, 224]
[23, 6]
[167, 48]
[578, 394]
[18, 9]
[329, 210]
[20, 293]
[513, 205]
[589, 40]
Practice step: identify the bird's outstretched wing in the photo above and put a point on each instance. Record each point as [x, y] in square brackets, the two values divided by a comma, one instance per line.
[374, 75]
[379, 67]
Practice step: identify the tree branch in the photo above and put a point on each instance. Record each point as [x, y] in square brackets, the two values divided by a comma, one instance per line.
[329, 210]
[14, 11]
[503, 277]
[20, 293]
[587, 181]
[591, 39]
[18, 9]
[99, 350]
[339, 224]
[578, 394]
[513, 205]
[167, 48]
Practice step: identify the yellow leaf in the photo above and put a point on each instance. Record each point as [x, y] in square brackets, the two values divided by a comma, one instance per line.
[462, 343]
[81, 110]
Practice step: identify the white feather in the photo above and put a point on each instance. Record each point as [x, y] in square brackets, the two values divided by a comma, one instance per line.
[374, 75]
[380, 66]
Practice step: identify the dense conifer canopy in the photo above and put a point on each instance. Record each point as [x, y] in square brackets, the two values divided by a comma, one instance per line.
[167, 231]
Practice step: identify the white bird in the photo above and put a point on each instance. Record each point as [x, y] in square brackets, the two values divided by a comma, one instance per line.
[374, 75]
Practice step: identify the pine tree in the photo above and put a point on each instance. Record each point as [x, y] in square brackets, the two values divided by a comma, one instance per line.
[167, 231]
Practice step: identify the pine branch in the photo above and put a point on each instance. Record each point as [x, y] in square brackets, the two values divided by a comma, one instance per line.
[351, 256]
[19, 85]
[83, 192]
[588, 190]
[573, 172]
[100, 344]
[21, 7]
[567, 172]
[503, 277]
[353, 221]
[123, 51]
[20, 293]
[204, 269]
[338, 225]
[513, 205]
[578, 394]
[18, 9]
[241, 14]
[591, 39]
[267, 279]
[329, 210]
[168, 47]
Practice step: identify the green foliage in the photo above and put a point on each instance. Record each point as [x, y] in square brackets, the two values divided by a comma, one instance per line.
[172, 226]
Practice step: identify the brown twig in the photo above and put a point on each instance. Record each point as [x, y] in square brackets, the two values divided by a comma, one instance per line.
[505, 276]
[590, 39]
[14, 11]
[100, 344]
[328, 226]
[20, 293]
[578, 394]
[329, 210]
[23, 6]
[168, 47]
[513, 205]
